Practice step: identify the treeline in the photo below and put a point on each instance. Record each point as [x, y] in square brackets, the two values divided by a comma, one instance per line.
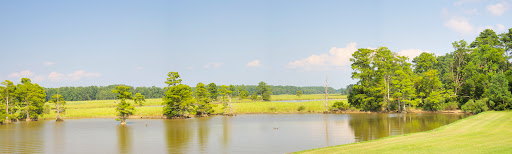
[474, 77]
[100, 93]
[105, 92]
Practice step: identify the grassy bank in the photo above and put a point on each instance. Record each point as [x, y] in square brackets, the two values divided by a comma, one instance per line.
[488, 132]
[106, 108]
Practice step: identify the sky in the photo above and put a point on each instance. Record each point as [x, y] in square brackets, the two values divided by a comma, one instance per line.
[298, 43]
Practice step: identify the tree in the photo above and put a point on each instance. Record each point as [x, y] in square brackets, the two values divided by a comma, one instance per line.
[8, 95]
[244, 94]
[173, 78]
[59, 102]
[225, 92]
[254, 96]
[506, 38]
[124, 108]
[204, 107]
[264, 90]
[299, 93]
[32, 98]
[403, 83]
[498, 94]
[139, 99]
[486, 37]
[178, 98]
[424, 62]
[213, 93]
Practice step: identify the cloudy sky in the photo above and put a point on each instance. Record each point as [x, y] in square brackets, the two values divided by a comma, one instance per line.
[63, 43]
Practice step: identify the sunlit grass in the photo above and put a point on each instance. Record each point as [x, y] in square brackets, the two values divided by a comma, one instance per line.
[152, 107]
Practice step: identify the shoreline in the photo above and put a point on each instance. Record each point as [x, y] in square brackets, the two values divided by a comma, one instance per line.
[251, 113]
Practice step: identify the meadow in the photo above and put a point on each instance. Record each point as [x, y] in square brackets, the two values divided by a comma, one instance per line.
[152, 108]
[487, 132]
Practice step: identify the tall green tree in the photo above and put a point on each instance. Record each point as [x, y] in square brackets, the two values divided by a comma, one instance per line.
[139, 99]
[31, 97]
[264, 90]
[299, 93]
[204, 107]
[424, 62]
[124, 108]
[486, 37]
[59, 102]
[178, 99]
[403, 83]
[499, 96]
[213, 92]
[225, 92]
[8, 95]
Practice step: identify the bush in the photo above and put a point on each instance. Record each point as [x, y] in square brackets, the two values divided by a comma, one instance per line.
[340, 106]
[451, 106]
[273, 109]
[475, 107]
[301, 108]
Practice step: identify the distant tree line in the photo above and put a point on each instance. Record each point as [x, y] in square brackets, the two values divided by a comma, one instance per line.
[100, 93]
[105, 92]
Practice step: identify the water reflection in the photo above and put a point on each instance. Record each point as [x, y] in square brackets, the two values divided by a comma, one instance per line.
[22, 137]
[178, 134]
[124, 139]
[374, 126]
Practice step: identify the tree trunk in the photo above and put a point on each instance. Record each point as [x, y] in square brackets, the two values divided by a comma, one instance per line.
[7, 120]
[123, 120]
[58, 111]
[28, 112]
[230, 105]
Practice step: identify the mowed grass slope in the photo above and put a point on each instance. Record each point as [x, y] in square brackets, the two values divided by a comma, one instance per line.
[488, 132]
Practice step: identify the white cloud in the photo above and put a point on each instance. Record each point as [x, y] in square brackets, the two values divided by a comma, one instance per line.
[411, 53]
[497, 9]
[336, 57]
[77, 75]
[212, 65]
[25, 73]
[460, 25]
[139, 68]
[48, 63]
[500, 27]
[38, 78]
[254, 63]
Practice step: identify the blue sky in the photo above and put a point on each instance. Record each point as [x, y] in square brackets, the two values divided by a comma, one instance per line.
[300, 43]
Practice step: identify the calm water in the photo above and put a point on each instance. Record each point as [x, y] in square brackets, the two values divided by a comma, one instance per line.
[217, 134]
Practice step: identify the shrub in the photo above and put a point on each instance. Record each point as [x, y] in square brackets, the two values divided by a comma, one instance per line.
[340, 106]
[273, 109]
[475, 107]
[301, 108]
[451, 105]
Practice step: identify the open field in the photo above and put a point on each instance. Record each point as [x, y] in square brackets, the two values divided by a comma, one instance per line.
[106, 108]
[488, 132]
[306, 97]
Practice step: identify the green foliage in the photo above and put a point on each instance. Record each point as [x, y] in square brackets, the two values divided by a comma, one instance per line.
[254, 96]
[264, 90]
[301, 108]
[486, 37]
[453, 105]
[244, 94]
[124, 109]
[498, 93]
[299, 93]
[204, 107]
[213, 92]
[178, 101]
[475, 107]
[31, 98]
[139, 99]
[424, 62]
[340, 106]
[173, 79]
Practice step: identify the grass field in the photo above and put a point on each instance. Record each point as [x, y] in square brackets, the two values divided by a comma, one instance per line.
[106, 108]
[488, 132]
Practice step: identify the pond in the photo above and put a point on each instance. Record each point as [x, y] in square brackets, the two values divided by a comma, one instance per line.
[250, 133]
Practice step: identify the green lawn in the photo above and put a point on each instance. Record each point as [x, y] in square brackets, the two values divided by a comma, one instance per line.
[488, 132]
